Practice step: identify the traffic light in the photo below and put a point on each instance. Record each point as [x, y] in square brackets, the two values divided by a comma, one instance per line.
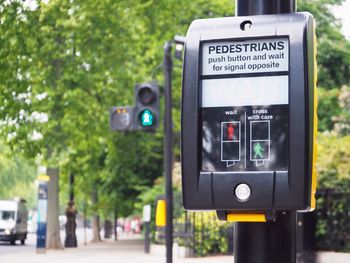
[120, 118]
[146, 112]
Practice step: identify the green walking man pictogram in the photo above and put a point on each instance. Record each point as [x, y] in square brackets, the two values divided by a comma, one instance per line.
[258, 151]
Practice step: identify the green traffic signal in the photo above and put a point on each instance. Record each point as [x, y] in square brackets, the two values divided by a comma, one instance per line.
[147, 106]
[146, 117]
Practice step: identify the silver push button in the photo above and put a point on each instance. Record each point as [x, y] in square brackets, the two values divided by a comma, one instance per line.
[242, 192]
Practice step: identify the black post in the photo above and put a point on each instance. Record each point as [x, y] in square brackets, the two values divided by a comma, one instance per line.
[168, 152]
[85, 224]
[115, 225]
[271, 242]
[264, 7]
[71, 238]
[305, 236]
[147, 241]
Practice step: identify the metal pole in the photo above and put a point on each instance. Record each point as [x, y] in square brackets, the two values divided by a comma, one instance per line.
[168, 160]
[85, 224]
[271, 242]
[115, 224]
[147, 241]
[264, 7]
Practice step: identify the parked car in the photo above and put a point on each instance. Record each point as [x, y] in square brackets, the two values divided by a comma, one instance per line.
[13, 221]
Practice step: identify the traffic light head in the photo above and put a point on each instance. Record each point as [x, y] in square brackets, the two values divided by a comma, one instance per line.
[120, 118]
[147, 106]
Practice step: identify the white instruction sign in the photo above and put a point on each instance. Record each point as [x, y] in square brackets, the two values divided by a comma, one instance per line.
[244, 57]
[146, 213]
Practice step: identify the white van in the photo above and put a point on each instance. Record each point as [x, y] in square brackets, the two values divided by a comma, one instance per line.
[13, 221]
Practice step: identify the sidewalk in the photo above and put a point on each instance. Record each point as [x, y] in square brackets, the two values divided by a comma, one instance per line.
[126, 250]
[129, 249]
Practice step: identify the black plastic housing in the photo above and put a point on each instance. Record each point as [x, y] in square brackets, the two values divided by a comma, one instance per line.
[290, 190]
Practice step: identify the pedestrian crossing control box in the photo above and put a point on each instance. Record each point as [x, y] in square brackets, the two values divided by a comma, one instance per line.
[249, 115]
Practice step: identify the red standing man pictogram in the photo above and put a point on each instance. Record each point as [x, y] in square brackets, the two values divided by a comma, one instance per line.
[230, 131]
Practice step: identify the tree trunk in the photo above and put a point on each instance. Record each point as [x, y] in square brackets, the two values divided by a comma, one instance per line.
[53, 240]
[95, 219]
[108, 227]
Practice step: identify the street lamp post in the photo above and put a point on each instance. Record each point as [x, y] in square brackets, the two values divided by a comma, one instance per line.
[168, 152]
[168, 139]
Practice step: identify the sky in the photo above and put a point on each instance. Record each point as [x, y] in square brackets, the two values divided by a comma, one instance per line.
[343, 13]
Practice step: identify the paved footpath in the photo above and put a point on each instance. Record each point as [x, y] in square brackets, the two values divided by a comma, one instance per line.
[123, 251]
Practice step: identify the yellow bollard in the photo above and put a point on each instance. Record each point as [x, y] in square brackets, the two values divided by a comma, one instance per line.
[161, 213]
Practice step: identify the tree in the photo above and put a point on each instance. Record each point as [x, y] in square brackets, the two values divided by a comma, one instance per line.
[342, 126]
[16, 177]
[329, 38]
[333, 59]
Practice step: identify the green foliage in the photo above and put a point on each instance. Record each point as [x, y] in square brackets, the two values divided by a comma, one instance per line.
[333, 164]
[16, 177]
[150, 195]
[333, 146]
[334, 66]
[75, 64]
[328, 107]
[342, 125]
[332, 226]
[211, 235]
